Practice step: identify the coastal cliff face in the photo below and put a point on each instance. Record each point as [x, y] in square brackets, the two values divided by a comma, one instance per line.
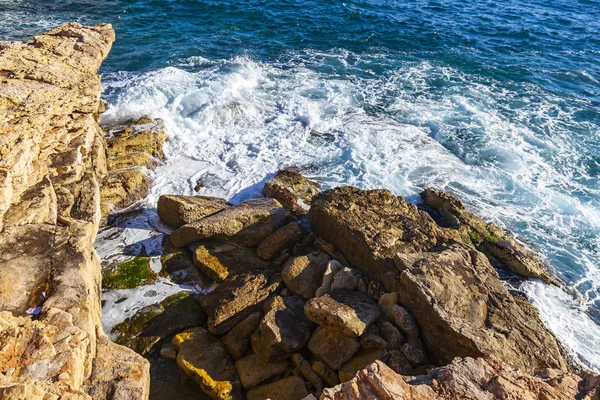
[52, 158]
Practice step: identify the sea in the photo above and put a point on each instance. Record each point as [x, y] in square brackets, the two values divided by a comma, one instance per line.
[495, 102]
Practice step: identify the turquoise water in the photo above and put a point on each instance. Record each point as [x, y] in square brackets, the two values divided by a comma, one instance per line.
[498, 103]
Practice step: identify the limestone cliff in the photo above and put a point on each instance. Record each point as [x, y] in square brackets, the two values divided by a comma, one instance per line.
[52, 158]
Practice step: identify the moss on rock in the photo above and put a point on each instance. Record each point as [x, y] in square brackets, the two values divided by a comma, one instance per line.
[130, 274]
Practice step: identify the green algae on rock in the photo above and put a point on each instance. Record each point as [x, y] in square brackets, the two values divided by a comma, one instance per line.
[130, 274]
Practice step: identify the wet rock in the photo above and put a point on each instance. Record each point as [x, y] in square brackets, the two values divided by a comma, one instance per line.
[221, 260]
[253, 370]
[283, 330]
[346, 278]
[403, 320]
[236, 298]
[370, 226]
[307, 371]
[326, 373]
[333, 267]
[291, 388]
[361, 360]
[176, 211]
[237, 340]
[472, 313]
[292, 190]
[398, 363]
[246, 224]
[347, 312]
[303, 275]
[279, 240]
[332, 347]
[202, 357]
[504, 251]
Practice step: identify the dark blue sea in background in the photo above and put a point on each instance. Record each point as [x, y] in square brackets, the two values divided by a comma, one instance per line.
[496, 102]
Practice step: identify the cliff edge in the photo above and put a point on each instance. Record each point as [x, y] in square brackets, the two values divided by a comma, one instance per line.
[52, 158]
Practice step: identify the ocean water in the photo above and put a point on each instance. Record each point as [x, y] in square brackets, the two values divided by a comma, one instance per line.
[496, 102]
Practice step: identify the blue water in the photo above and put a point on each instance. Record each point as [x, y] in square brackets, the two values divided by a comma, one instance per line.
[497, 102]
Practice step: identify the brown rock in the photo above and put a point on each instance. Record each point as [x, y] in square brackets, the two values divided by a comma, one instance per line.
[400, 317]
[292, 190]
[253, 370]
[204, 359]
[236, 298]
[333, 267]
[246, 224]
[415, 355]
[307, 371]
[504, 251]
[291, 388]
[370, 226]
[326, 373]
[284, 329]
[279, 240]
[372, 341]
[398, 363]
[361, 360]
[303, 275]
[391, 335]
[332, 347]
[221, 260]
[348, 312]
[470, 312]
[237, 340]
[346, 278]
[386, 302]
[177, 210]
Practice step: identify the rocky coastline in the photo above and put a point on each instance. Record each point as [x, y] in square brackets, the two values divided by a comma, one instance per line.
[318, 294]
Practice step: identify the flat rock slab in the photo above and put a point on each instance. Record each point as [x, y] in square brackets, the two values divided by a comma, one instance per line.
[279, 240]
[221, 260]
[291, 388]
[253, 370]
[348, 312]
[202, 357]
[236, 298]
[332, 347]
[246, 224]
[284, 329]
[175, 210]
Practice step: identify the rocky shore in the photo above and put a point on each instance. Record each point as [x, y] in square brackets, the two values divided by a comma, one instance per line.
[330, 294]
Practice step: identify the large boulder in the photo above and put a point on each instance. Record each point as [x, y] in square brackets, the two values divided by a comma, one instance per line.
[292, 190]
[348, 312]
[283, 330]
[204, 359]
[370, 226]
[304, 274]
[502, 249]
[177, 210]
[463, 309]
[221, 260]
[246, 224]
[236, 298]
[332, 347]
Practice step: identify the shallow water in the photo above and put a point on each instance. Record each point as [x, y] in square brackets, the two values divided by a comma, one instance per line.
[497, 103]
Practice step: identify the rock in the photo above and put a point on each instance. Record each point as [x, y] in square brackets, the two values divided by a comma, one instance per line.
[246, 224]
[371, 341]
[472, 313]
[253, 370]
[283, 330]
[332, 347]
[177, 264]
[398, 363]
[361, 360]
[386, 302]
[291, 388]
[507, 252]
[378, 382]
[177, 210]
[237, 340]
[303, 274]
[236, 298]
[413, 354]
[202, 357]
[333, 267]
[307, 371]
[279, 240]
[326, 373]
[348, 312]
[221, 260]
[400, 317]
[292, 190]
[346, 279]
[168, 351]
[370, 226]
[391, 335]
[22, 392]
